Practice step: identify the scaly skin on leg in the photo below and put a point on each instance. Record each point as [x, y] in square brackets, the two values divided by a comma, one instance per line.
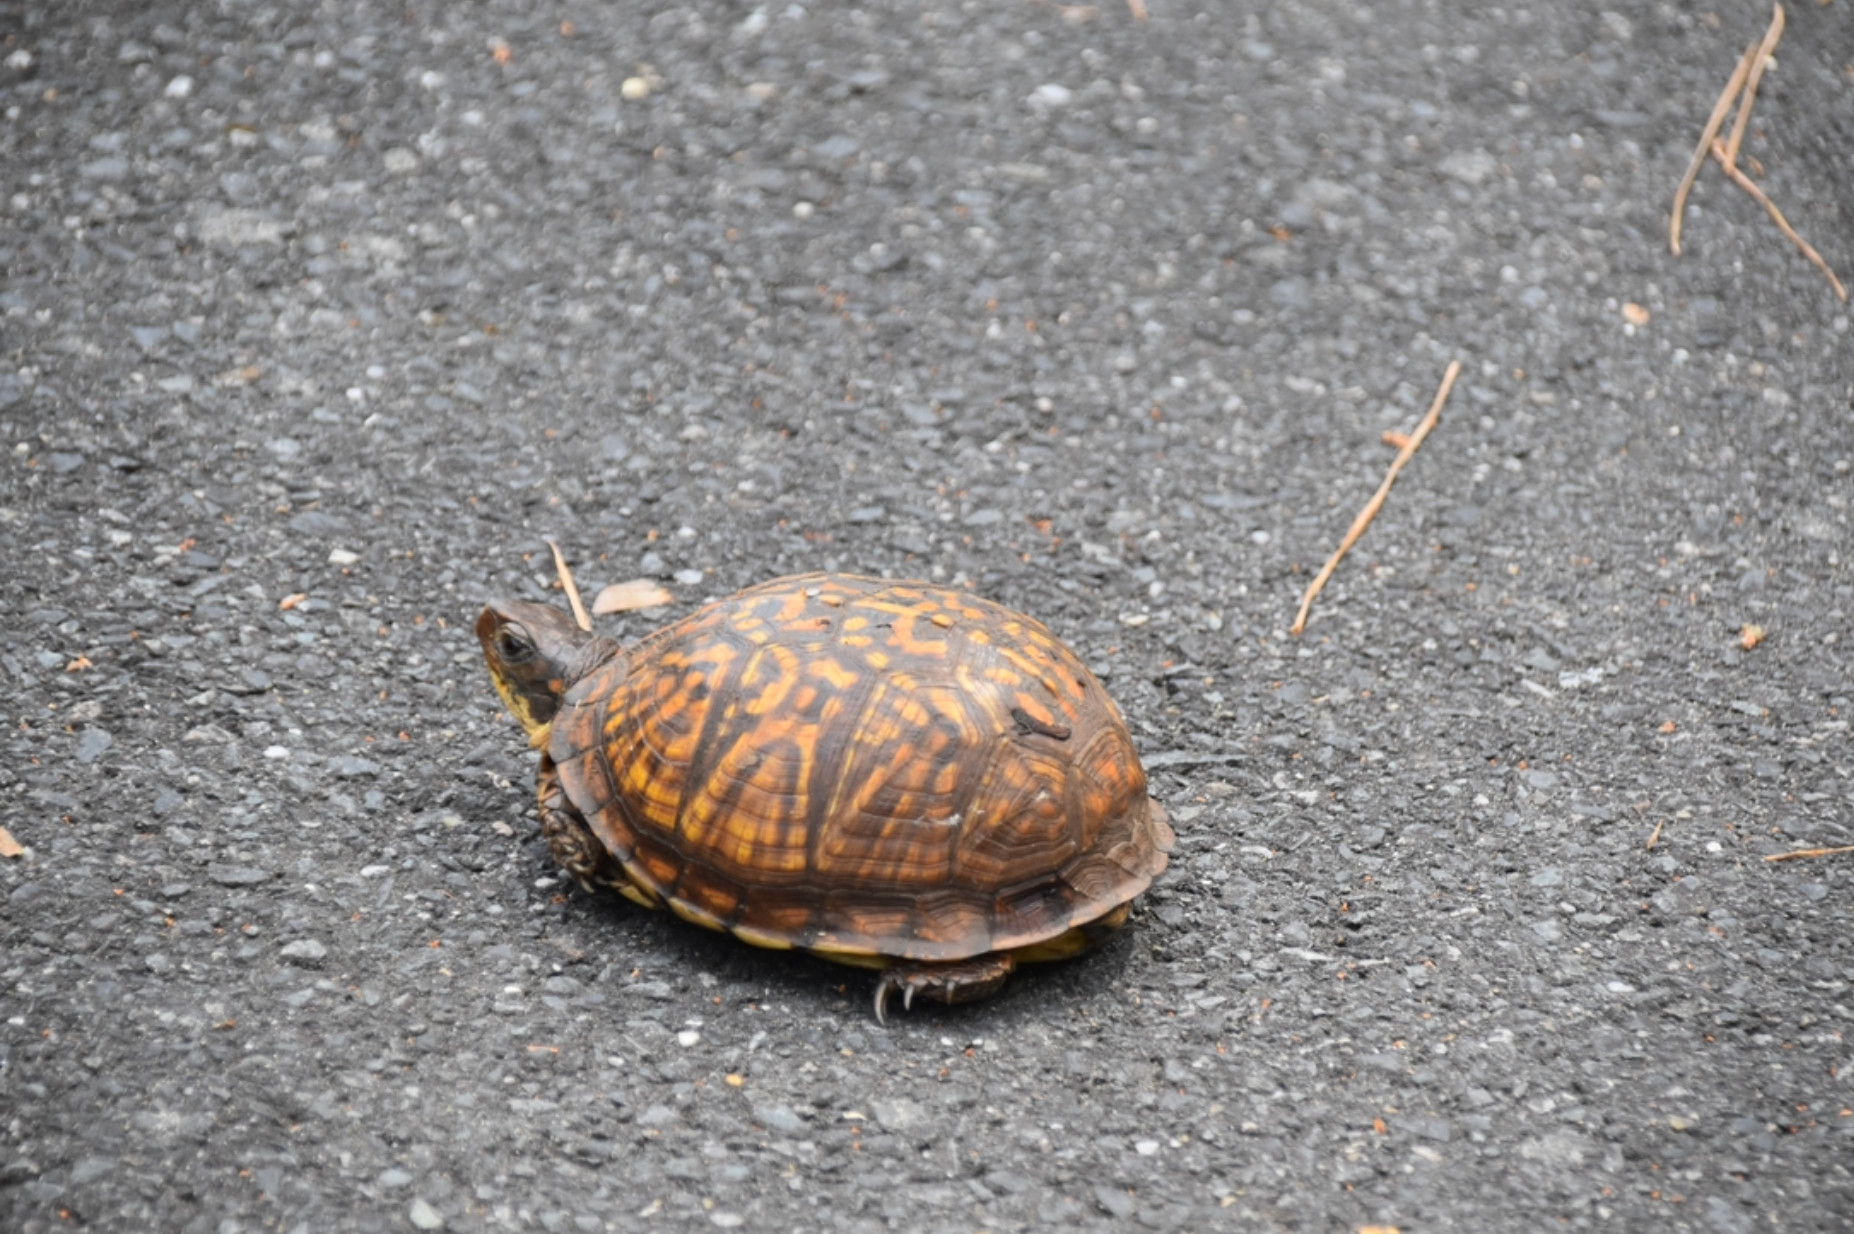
[576, 850]
[962, 982]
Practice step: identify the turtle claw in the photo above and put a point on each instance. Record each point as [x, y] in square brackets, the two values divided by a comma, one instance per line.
[960, 982]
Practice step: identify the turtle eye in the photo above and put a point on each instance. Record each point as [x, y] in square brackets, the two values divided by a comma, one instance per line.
[513, 644]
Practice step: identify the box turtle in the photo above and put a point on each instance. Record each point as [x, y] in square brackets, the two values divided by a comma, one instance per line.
[888, 774]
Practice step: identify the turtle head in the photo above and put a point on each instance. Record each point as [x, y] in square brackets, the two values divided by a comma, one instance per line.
[535, 655]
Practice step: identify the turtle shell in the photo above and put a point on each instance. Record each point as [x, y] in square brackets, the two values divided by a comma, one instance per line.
[863, 767]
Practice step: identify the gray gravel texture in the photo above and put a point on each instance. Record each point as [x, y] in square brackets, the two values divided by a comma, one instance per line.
[358, 303]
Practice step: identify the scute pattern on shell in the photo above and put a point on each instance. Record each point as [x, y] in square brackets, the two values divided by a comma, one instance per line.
[855, 765]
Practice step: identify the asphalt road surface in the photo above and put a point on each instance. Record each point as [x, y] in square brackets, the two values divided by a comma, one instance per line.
[320, 317]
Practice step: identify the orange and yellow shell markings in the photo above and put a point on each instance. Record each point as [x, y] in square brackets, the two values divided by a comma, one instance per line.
[867, 770]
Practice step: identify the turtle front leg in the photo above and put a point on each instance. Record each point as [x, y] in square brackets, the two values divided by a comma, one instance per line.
[963, 981]
[576, 850]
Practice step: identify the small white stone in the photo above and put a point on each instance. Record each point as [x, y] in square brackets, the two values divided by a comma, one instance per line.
[342, 557]
[635, 88]
[687, 1037]
[1146, 1148]
[180, 87]
[424, 1216]
[276, 752]
[1051, 95]
[803, 209]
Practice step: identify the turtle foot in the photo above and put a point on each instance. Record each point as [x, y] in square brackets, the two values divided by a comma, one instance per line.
[576, 850]
[963, 981]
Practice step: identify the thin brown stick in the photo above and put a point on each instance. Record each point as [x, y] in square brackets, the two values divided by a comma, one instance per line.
[1749, 185]
[1742, 120]
[567, 585]
[1810, 852]
[1705, 143]
[1657, 833]
[1377, 499]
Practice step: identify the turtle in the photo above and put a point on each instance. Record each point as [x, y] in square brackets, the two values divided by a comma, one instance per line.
[895, 775]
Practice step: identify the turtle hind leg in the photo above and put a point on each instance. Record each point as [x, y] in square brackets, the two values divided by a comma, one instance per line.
[576, 850]
[962, 981]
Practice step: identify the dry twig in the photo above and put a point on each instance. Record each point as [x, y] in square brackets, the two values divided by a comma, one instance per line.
[1698, 160]
[1742, 89]
[1657, 833]
[1377, 499]
[1742, 120]
[1810, 852]
[1749, 185]
[571, 589]
[9, 847]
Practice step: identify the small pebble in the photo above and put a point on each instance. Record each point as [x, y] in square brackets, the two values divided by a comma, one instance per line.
[304, 951]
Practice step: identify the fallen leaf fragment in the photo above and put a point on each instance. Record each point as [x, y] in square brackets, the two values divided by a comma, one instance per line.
[1669, 727]
[500, 50]
[1379, 1229]
[78, 665]
[9, 847]
[638, 593]
[735, 1079]
[1635, 314]
[291, 601]
[1750, 637]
